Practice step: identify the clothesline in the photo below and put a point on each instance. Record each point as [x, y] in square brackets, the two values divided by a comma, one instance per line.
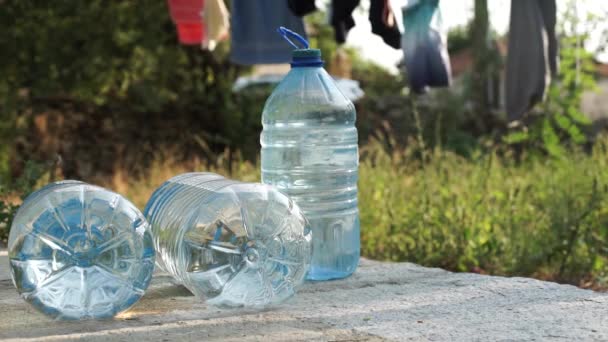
[251, 27]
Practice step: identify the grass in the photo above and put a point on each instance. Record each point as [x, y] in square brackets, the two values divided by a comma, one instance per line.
[139, 189]
[539, 217]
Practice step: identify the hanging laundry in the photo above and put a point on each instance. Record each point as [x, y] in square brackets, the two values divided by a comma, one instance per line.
[302, 7]
[253, 31]
[341, 18]
[548, 9]
[216, 22]
[384, 23]
[186, 14]
[531, 55]
[424, 46]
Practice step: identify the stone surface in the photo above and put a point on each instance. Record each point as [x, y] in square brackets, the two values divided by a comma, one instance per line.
[382, 301]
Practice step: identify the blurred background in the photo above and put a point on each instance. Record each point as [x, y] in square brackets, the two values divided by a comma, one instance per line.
[104, 92]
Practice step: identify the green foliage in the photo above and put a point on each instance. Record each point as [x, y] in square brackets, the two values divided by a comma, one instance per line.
[539, 217]
[12, 194]
[561, 122]
[93, 51]
[116, 79]
[459, 38]
[487, 213]
[321, 35]
[7, 212]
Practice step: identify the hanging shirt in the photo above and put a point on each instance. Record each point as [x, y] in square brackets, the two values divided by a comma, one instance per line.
[254, 34]
[216, 21]
[302, 7]
[384, 23]
[341, 18]
[425, 51]
[532, 54]
[186, 14]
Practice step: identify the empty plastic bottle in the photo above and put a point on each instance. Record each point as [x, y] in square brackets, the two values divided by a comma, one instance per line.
[78, 251]
[231, 243]
[310, 152]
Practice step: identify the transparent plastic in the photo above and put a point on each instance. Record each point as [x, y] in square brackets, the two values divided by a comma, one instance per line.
[78, 251]
[310, 152]
[231, 243]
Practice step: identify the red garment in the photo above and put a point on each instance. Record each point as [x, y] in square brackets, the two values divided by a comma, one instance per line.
[186, 14]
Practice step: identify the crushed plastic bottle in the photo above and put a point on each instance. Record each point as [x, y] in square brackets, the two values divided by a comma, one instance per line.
[310, 152]
[231, 243]
[78, 251]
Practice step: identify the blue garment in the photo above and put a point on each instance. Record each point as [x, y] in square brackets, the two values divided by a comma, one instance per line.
[424, 49]
[254, 34]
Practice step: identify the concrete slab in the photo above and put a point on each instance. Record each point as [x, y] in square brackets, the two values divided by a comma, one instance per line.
[382, 301]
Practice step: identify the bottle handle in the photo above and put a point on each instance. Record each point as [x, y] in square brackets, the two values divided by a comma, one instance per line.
[287, 34]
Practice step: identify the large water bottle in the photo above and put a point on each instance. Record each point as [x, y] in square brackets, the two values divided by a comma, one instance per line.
[231, 243]
[309, 152]
[78, 251]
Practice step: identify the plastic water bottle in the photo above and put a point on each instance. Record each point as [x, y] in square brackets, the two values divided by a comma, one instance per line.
[78, 251]
[309, 152]
[231, 243]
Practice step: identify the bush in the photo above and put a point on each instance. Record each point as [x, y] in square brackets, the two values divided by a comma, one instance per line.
[96, 82]
[537, 216]
[541, 217]
[34, 176]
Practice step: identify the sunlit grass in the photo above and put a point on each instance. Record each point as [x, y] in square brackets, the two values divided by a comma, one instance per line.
[539, 216]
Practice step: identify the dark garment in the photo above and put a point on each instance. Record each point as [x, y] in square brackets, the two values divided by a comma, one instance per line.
[302, 7]
[384, 22]
[424, 50]
[254, 34]
[342, 18]
[549, 11]
[532, 54]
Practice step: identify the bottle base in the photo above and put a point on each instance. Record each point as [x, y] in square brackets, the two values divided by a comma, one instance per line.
[320, 274]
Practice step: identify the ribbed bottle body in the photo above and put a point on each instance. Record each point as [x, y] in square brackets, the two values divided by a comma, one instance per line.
[232, 243]
[310, 152]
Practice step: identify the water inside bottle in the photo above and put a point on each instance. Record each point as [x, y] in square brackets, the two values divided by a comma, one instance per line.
[78, 251]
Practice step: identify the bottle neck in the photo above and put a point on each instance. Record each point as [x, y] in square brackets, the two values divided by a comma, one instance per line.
[307, 61]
